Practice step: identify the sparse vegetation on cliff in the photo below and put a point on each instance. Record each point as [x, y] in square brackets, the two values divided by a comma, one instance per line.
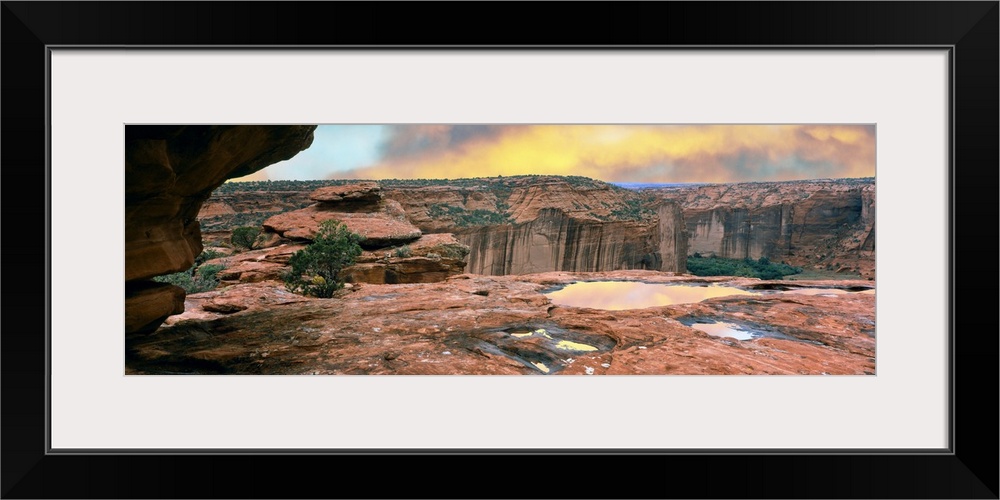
[632, 210]
[761, 268]
[404, 251]
[467, 218]
[315, 270]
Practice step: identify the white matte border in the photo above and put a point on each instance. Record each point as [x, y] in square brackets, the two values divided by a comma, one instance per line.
[95, 92]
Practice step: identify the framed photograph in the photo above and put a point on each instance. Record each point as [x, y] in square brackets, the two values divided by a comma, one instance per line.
[813, 353]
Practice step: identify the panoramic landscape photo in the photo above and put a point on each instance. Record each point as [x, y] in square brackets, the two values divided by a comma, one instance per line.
[468, 249]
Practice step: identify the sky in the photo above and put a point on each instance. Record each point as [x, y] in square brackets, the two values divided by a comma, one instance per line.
[612, 153]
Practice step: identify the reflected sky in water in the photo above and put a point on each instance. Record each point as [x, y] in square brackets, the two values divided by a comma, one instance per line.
[621, 295]
[723, 330]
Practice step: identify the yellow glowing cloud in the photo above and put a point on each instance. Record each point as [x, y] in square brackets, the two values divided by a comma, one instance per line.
[676, 153]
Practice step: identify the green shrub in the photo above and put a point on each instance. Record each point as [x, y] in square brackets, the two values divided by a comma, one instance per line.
[194, 280]
[404, 251]
[315, 270]
[245, 237]
[761, 268]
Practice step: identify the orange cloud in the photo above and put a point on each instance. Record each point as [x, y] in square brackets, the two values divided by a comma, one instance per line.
[646, 153]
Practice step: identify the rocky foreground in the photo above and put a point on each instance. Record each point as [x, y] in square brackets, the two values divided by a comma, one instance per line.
[505, 325]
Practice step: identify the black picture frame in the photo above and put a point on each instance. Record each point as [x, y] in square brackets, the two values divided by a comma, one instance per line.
[970, 29]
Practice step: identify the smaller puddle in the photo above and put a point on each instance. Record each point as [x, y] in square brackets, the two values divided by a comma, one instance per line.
[574, 346]
[739, 331]
[730, 330]
[546, 349]
[528, 333]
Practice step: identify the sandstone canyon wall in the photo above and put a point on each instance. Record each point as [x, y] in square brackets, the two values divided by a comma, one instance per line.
[535, 224]
[818, 223]
[555, 241]
[169, 172]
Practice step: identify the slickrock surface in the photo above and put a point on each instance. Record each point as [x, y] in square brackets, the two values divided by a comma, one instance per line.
[470, 324]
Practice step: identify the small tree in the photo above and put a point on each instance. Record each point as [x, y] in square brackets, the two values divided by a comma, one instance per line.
[315, 270]
[245, 237]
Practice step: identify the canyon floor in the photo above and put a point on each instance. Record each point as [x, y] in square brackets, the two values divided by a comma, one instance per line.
[507, 325]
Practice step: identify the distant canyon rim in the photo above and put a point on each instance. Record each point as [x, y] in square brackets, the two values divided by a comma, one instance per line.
[468, 294]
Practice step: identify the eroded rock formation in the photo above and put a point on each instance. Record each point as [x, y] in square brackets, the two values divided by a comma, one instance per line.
[395, 250]
[360, 207]
[169, 172]
[429, 259]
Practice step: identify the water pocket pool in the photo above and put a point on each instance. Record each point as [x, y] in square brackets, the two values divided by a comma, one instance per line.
[731, 330]
[621, 295]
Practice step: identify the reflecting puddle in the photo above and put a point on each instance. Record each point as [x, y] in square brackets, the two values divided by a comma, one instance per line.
[541, 332]
[731, 330]
[562, 344]
[574, 346]
[739, 331]
[547, 349]
[621, 295]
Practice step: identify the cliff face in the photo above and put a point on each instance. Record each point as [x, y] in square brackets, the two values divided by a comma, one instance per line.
[555, 241]
[539, 224]
[672, 237]
[824, 223]
[169, 172]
